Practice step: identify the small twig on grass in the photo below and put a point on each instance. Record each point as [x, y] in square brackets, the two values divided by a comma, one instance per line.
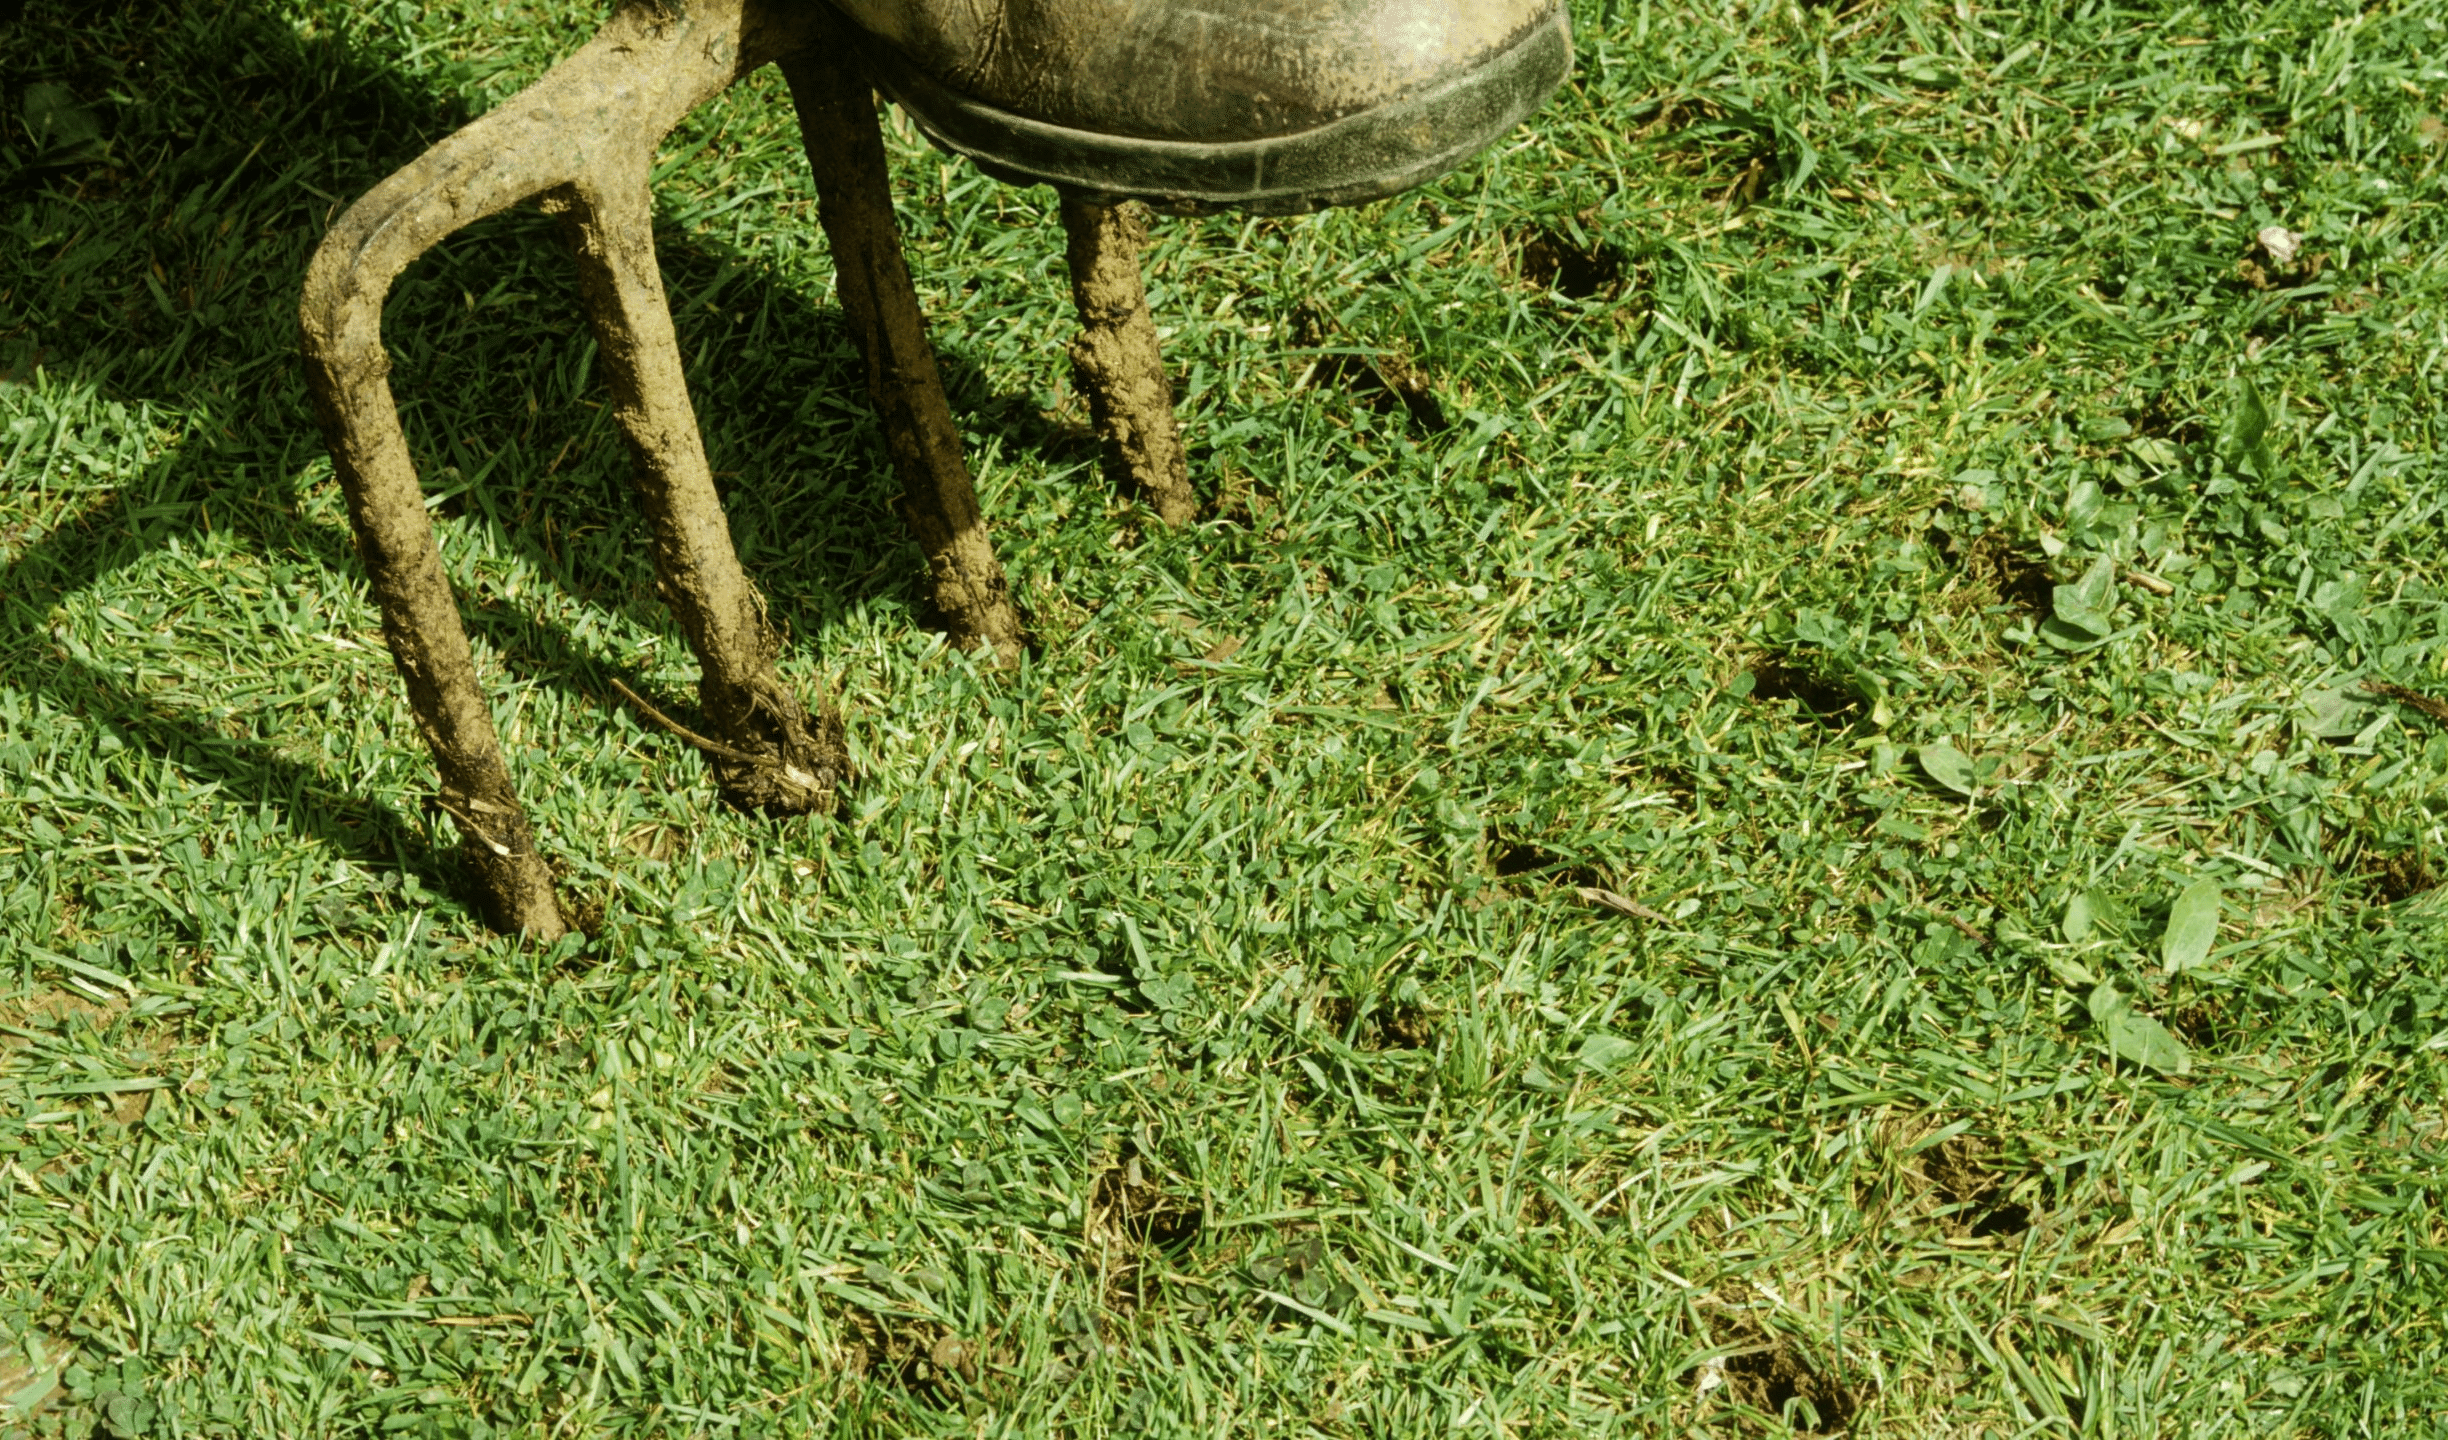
[1609, 900]
[478, 1320]
[1971, 931]
[711, 747]
[2430, 705]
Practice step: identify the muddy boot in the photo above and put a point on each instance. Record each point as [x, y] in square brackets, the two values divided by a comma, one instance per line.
[1273, 106]
[1194, 105]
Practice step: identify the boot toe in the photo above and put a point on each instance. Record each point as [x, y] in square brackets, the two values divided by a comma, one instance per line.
[1272, 106]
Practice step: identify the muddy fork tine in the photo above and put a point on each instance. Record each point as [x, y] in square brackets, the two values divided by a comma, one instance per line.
[837, 118]
[1116, 360]
[597, 111]
[770, 756]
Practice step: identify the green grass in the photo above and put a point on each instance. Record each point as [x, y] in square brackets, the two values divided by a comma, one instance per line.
[1177, 1038]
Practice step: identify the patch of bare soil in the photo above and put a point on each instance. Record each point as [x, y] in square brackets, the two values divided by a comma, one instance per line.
[54, 1010]
[1578, 270]
[1130, 1213]
[2400, 876]
[922, 1359]
[1772, 1375]
[2012, 574]
[1402, 1026]
[1527, 860]
[1822, 698]
[1384, 383]
[1966, 1174]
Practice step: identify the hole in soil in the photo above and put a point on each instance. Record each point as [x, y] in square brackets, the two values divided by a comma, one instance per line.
[2013, 576]
[2160, 415]
[1403, 1027]
[1553, 260]
[583, 909]
[652, 841]
[925, 1361]
[1302, 1269]
[2008, 1219]
[1965, 1172]
[1702, 140]
[2261, 270]
[1125, 1202]
[1385, 383]
[1672, 780]
[2401, 876]
[1530, 863]
[1773, 677]
[1512, 860]
[1774, 1377]
[2202, 1024]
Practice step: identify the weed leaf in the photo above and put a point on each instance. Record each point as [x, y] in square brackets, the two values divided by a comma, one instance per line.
[2070, 639]
[2071, 971]
[2145, 1041]
[2339, 599]
[1602, 1052]
[2248, 422]
[2097, 589]
[2243, 440]
[1950, 767]
[2330, 714]
[2192, 927]
[2079, 913]
[1897, 827]
[66, 131]
[2083, 606]
[2137, 1038]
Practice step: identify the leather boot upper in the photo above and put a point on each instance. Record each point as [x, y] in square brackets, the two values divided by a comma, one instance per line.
[1205, 71]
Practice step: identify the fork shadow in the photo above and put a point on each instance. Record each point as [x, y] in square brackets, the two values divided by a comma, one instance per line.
[167, 270]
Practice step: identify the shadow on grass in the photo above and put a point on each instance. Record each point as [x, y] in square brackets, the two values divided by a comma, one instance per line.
[162, 264]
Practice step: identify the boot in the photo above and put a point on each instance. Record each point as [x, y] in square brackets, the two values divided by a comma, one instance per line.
[1274, 106]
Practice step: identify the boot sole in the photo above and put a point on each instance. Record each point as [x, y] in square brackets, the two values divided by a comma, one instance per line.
[1357, 158]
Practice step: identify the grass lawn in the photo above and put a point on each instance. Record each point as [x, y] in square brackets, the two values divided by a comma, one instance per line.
[1794, 786]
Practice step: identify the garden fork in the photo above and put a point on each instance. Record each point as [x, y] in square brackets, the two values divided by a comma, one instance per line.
[581, 141]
